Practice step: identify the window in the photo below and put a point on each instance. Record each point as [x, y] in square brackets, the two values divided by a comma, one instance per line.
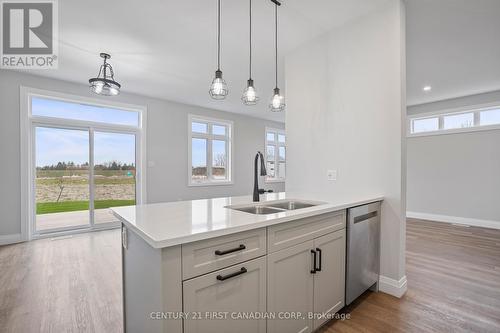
[209, 151]
[275, 154]
[53, 108]
[425, 125]
[462, 120]
[470, 120]
[490, 117]
[81, 157]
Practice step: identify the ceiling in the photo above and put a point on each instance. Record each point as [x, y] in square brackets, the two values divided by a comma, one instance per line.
[167, 49]
[453, 46]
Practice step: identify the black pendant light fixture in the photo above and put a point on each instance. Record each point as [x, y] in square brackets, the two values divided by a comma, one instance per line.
[250, 95]
[104, 83]
[218, 89]
[278, 101]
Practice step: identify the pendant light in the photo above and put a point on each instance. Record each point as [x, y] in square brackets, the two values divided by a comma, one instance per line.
[250, 95]
[218, 89]
[278, 101]
[104, 83]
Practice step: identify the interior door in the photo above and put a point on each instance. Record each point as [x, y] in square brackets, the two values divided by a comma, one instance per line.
[329, 280]
[290, 288]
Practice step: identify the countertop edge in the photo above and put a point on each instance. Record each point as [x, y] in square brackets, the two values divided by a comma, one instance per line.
[328, 208]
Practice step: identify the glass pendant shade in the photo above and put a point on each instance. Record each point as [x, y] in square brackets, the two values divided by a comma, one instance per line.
[218, 89]
[277, 102]
[105, 84]
[250, 95]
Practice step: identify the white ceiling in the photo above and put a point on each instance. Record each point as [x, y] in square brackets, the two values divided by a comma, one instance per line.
[167, 49]
[454, 46]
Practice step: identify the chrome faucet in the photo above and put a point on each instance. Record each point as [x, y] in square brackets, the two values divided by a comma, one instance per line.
[256, 190]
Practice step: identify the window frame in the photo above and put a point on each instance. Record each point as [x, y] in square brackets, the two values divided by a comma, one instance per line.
[441, 114]
[277, 145]
[28, 124]
[228, 138]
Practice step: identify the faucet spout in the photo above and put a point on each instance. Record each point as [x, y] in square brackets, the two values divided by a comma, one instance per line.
[263, 172]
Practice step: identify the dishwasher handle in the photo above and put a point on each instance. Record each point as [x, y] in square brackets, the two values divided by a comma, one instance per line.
[365, 217]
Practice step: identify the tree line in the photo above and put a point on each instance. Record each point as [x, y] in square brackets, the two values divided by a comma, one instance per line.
[112, 165]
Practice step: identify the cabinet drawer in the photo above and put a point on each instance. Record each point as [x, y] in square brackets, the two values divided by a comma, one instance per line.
[225, 294]
[287, 234]
[209, 255]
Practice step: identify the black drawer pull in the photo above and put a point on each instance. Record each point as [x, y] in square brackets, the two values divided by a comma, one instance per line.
[313, 271]
[225, 277]
[320, 264]
[239, 248]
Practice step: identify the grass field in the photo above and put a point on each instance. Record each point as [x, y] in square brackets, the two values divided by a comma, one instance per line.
[71, 206]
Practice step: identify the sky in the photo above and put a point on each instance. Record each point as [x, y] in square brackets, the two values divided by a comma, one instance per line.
[69, 110]
[67, 145]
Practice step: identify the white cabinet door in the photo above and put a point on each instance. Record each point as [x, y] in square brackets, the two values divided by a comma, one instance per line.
[214, 298]
[290, 289]
[329, 280]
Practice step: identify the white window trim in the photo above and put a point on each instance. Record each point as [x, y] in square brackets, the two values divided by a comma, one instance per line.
[229, 149]
[276, 144]
[475, 109]
[27, 139]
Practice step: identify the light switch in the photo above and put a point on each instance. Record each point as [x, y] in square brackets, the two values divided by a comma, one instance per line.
[331, 175]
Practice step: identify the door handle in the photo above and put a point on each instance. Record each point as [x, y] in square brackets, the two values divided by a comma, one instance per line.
[225, 277]
[320, 255]
[239, 248]
[314, 256]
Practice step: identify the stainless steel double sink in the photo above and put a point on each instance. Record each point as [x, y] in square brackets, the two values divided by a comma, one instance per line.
[273, 207]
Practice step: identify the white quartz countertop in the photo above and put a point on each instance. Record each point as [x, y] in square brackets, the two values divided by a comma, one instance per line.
[173, 223]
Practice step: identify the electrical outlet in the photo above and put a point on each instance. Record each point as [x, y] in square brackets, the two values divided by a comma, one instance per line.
[331, 175]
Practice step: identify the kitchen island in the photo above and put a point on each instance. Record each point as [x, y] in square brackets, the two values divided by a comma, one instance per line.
[227, 264]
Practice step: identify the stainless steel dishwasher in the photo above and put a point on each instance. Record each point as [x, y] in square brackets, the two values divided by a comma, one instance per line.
[363, 250]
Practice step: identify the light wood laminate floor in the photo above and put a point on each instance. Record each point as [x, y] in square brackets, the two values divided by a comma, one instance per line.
[74, 285]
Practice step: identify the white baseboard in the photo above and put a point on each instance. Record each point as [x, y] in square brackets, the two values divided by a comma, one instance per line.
[392, 287]
[455, 219]
[10, 239]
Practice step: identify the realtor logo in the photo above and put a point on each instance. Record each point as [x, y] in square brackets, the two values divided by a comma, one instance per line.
[29, 34]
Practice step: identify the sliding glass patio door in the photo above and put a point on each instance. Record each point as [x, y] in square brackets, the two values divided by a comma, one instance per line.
[62, 190]
[83, 157]
[80, 173]
[114, 174]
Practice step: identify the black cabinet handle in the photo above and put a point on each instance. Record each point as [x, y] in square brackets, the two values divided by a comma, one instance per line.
[239, 248]
[320, 264]
[313, 271]
[225, 277]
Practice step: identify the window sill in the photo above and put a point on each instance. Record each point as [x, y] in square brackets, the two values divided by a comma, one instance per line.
[211, 183]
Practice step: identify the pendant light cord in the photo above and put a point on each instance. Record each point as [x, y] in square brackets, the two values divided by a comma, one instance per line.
[250, 51]
[276, 41]
[218, 35]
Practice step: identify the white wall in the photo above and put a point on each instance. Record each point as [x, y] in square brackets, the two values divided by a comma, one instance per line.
[345, 98]
[166, 146]
[455, 177]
